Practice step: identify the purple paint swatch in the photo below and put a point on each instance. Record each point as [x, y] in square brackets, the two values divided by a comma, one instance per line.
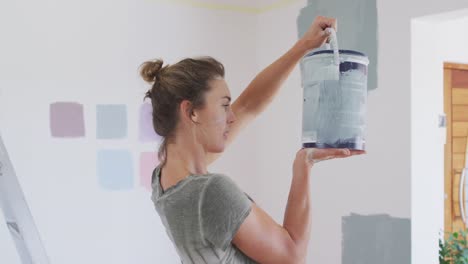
[147, 132]
[148, 161]
[66, 120]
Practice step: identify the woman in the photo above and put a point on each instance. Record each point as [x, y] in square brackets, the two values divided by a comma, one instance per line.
[207, 217]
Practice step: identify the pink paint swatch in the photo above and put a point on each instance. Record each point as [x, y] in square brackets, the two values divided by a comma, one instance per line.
[148, 161]
[67, 120]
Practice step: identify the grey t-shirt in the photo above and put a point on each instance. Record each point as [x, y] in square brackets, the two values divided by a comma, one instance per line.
[201, 214]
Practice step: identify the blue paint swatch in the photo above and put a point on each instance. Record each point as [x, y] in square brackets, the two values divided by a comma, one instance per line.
[115, 169]
[111, 121]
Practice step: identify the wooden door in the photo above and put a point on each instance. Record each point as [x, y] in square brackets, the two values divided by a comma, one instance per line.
[456, 110]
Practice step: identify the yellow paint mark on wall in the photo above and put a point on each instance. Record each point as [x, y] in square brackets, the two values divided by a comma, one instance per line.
[231, 7]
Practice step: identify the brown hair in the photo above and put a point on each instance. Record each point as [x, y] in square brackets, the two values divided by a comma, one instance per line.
[186, 80]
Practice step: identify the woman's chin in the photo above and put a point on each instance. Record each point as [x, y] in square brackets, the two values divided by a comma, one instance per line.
[218, 148]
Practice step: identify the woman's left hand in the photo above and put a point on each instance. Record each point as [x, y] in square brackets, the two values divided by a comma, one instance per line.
[316, 35]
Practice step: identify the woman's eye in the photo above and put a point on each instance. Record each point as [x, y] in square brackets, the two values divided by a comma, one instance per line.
[226, 105]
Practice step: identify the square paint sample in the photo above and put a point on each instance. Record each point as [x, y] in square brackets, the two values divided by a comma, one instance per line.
[147, 132]
[148, 161]
[111, 121]
[115, 169]
[67, 120]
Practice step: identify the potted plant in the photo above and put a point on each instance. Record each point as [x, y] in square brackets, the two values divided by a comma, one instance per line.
[454, 249]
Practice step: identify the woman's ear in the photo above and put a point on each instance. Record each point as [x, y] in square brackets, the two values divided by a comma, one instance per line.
[188, 114]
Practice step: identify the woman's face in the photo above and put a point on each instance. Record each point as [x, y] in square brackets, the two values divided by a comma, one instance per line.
[215, 118]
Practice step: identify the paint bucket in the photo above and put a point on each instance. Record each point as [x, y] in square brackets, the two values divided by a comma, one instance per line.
[334, 111]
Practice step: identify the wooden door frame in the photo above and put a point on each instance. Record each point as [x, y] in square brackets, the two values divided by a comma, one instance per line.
[448, 179]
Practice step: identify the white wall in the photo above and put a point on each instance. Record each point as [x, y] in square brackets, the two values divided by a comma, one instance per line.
[434, 40]
[89, 52]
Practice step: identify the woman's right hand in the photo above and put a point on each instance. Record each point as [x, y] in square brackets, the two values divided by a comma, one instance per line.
[307, 157]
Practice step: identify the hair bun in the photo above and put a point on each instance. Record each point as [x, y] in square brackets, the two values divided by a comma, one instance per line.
[150, 70]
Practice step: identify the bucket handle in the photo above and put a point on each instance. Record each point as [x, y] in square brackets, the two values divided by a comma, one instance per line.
[333, 44]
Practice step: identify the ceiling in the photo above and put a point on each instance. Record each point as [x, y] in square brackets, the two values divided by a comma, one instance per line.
[243, 6]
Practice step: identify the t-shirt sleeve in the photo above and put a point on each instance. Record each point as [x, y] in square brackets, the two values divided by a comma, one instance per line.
[223, 209]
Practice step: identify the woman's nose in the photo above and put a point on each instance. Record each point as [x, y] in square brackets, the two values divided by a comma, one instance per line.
[232, 117]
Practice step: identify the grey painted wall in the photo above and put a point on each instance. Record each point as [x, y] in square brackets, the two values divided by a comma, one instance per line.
[370, 239]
